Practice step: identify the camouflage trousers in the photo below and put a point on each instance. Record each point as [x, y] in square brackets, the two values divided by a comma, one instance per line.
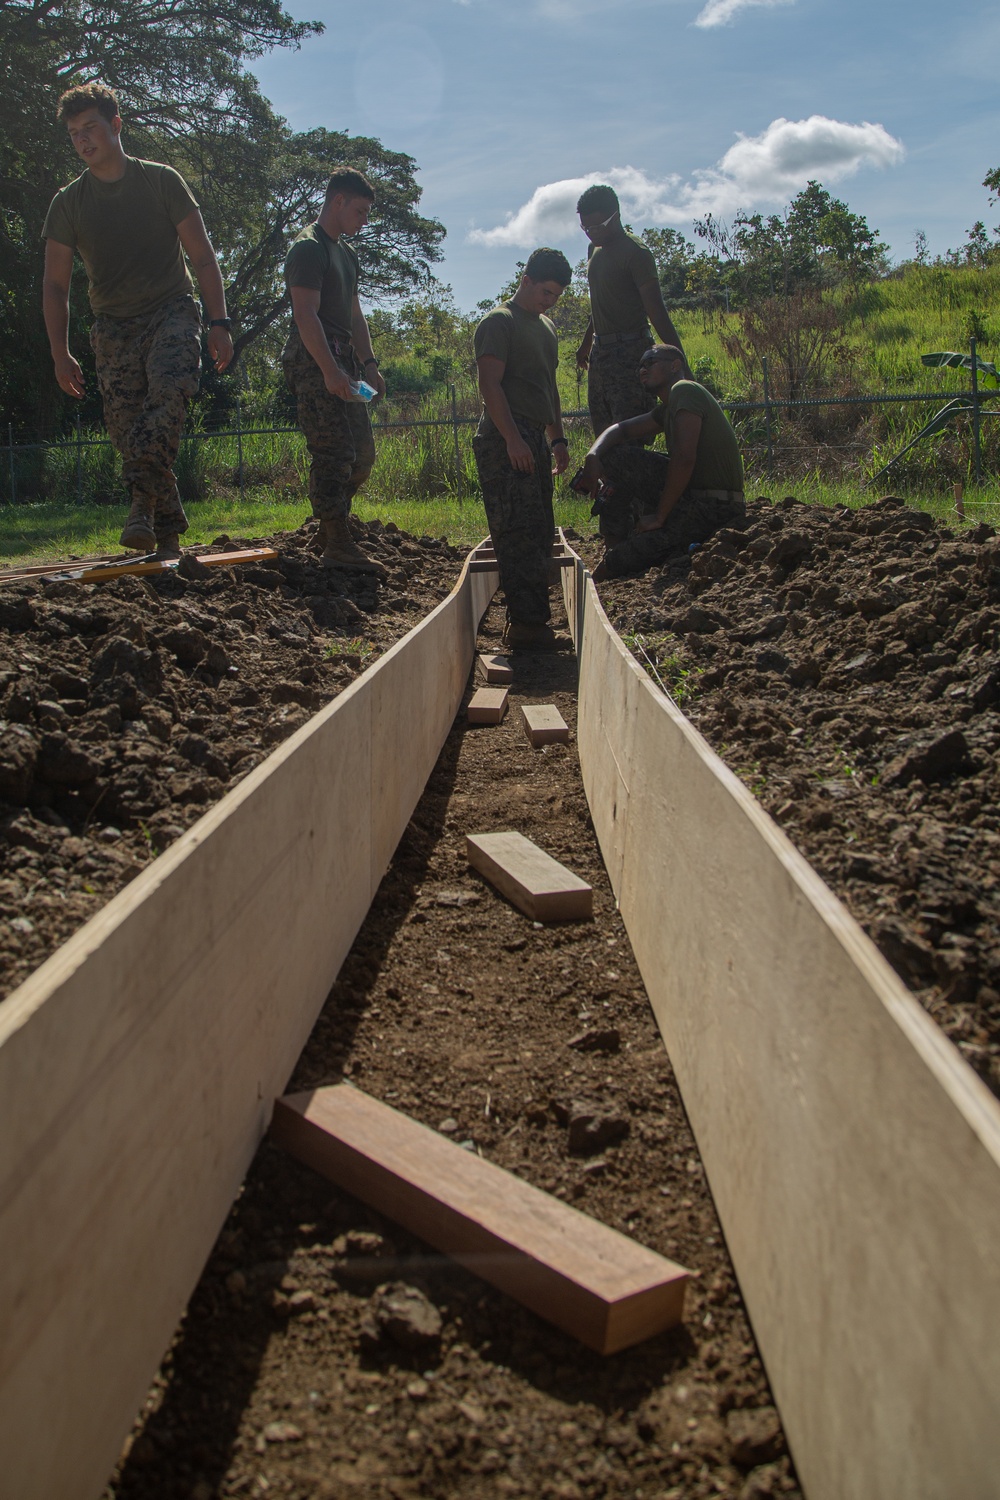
[147, 370]
[519, 510]
[637, 478]
[613, 390]
[338, 433]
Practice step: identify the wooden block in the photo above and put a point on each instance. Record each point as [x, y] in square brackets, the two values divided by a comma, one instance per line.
[482, 565]
[544, 724]
[589, 1280]
[487, 705]
[495, 668]
[536, 883]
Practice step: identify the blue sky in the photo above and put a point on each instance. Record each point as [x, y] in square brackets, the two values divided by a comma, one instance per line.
[686, 105]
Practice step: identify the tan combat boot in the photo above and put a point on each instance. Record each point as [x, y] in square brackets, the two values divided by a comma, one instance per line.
[168, 547]
[139, 535]
[342, 551]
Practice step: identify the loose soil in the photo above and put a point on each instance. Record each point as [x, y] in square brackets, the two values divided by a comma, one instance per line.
[846, 664]
[326, 1353]
[127, 708]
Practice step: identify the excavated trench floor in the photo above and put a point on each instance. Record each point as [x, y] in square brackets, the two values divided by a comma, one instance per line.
[458, 1010]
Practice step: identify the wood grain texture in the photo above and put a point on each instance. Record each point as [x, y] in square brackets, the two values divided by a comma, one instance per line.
[134, 1090]
[536, 883]
[487, 705]
[596, 1284]
[544, 724]
[494, 668]
[853, 1156]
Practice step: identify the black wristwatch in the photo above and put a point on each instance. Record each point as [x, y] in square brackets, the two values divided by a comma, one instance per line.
[225, 323]
[556, 441]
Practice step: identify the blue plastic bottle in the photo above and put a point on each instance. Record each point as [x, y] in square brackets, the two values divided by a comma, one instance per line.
[363, 390]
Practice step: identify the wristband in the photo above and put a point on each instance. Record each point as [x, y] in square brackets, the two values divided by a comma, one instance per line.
[556, 441]
[372, 361]
[225, 323]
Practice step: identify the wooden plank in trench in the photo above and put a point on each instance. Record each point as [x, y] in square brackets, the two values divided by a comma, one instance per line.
[535, 882]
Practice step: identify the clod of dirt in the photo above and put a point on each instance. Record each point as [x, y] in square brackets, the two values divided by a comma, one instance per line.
[594, 1126]
[755, 1437]
[403, 1314]
[606, 1040]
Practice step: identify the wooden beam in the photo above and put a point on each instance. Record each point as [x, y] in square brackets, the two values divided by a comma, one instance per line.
[494, 668]
[100, 570]
[133, 1094]
[536, 883]
[487, 705]
[853, 1155]
[544, 724]
[587, 1279]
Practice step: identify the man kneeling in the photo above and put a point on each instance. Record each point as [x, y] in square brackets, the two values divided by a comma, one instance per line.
[520, 443]
[654, 505]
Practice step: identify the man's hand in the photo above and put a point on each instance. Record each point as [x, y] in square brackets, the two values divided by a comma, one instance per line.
[560, 459]
[220, 348]
[69, 375]
[520, 455]
[338, 384]
[592, 474]
[651, 522]
[583, 355]
[378, 382]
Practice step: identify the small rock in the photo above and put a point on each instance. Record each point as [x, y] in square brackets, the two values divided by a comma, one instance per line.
[281, 1432]
[448, 1127]
[302, 1302]
[404, 1315]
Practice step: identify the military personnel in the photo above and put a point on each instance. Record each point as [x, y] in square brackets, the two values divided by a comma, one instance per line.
[519, 444]
[133, 222]
[625, 298]
[666, 501]
[329, 350]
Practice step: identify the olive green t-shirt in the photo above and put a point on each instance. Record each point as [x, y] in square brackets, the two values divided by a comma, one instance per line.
[615, 273]
[718, 465]
[529, 347]
[329, 267]
[126, 234]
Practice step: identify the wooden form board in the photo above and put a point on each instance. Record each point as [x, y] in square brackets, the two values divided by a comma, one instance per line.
[101, 570]
[853, 1156]
[596, 1284]
[138, 1065]
[544, 724]
[487, 705]
[536, 883]
[495, 668]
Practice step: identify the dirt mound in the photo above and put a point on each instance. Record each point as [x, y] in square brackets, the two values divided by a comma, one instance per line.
[127, 708]
[846, 664]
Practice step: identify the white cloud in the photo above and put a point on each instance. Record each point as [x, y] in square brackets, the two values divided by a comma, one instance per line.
[761, 169]
[721, 12]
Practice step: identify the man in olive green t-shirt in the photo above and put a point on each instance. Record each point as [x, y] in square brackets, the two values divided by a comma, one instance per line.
[667, 501]
[132, 222]
[329, 351]
[625, 297]
[519, 444]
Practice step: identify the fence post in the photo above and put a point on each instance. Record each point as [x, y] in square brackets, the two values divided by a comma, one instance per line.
[10, 455]
[767, 418]
[79, 461]
[239, 445]
[976, 443]
[458, 456]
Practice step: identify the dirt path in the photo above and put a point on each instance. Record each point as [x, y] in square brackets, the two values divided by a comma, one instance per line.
[458, 1010]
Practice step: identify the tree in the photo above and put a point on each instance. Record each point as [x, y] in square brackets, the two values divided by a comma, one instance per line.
[801, 336]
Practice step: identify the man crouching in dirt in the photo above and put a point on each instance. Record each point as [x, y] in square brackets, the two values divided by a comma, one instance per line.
[653, 505]
[132, 221]
[328, 350]
[519, 444]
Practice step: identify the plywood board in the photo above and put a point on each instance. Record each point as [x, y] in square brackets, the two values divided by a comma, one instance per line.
[487, 705]
[494, 668]
[544, 724]
[536, 883]
[594, 1283]
[853, 1156]
[133, 1093]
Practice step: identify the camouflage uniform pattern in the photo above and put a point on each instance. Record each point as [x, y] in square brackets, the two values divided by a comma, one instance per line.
[338, 433]
[637, 479]
[613, 390]
[519, 510]
[147, 370]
